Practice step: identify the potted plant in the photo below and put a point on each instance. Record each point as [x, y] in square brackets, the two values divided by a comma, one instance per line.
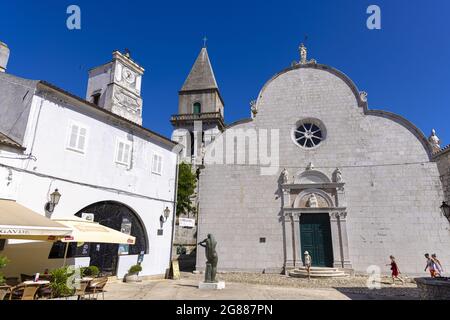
[3, 263]
[133, 273]
[60, 283]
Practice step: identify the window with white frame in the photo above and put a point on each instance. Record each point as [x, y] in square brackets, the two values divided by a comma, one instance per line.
[77, 137]
[157, 164]
[123, 152]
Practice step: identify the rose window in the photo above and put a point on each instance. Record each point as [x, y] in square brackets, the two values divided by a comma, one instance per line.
[308, 135]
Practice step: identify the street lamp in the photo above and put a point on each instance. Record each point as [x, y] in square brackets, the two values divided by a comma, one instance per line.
[166, 215]
[446, 210]
[54, 200]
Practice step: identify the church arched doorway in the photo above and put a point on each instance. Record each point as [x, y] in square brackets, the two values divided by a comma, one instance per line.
[120, 217]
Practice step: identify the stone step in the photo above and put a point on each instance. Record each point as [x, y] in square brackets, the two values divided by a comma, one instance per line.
[320, 275]
[319, 269]
[316, 272]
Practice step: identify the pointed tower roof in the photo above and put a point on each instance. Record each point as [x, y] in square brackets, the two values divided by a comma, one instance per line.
[202, 75]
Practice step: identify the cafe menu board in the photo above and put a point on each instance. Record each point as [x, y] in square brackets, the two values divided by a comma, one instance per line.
[175, 270]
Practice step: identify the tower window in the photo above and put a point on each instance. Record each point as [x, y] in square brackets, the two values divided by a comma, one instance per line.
[96, 98]
[197, 108]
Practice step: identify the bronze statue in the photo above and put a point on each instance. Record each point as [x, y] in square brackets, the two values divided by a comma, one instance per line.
[211, 258]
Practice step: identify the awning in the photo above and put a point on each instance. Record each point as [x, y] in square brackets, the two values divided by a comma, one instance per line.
[88, 231]
[19, 222]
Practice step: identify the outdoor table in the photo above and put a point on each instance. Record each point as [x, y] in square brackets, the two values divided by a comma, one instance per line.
[40, 282]
[88, 279]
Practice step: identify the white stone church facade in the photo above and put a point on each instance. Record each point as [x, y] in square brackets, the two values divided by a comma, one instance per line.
[358, 185]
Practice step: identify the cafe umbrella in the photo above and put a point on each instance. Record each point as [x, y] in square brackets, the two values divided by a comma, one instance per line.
[21, 223]
[91, 232]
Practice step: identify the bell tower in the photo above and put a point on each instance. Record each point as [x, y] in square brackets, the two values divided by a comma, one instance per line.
[116, 86]
[199, 102]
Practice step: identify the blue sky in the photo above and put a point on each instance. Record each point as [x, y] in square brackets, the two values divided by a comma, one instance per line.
[404, 66]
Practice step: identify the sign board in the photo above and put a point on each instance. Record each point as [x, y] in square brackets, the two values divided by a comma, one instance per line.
[87, 216]
[125, 228]
[175, 270]
[188, 223]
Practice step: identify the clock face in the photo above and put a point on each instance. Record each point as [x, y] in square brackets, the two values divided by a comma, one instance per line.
[128, 75]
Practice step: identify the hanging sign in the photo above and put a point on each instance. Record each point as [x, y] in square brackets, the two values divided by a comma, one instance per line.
[188, 223]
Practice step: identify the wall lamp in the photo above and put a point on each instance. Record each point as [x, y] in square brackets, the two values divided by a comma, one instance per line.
[166, 215]
[446, 210]
[54, 200]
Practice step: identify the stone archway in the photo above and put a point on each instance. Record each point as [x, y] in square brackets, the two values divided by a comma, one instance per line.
[120, 217]
[319, 200]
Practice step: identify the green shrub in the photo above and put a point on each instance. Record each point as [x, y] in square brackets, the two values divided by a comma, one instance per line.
[3, 262]
[59, 283]
[91, 271]
[84, 271]
[135, 269]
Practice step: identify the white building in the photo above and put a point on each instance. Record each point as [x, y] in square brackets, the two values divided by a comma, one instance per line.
[101, 160]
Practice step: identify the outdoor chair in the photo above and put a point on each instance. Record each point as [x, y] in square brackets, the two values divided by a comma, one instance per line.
[81, 289]
[22, 292]
[26, 277]
[4, 291]
[97, 286]
[45, 292]
[12, 281]
[47, 277]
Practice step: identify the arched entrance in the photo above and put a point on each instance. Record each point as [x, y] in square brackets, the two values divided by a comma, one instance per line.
[315, 219]
[120, 217]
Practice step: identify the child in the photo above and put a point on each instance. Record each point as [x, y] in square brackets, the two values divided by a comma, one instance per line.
[395, 271]
[437, 265]
[430, 266]
[308, 263]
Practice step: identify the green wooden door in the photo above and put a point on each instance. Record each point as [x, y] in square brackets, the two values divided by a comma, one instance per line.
[315, 237]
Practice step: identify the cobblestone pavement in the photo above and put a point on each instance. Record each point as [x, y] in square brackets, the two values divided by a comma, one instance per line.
[353, 287]
[253, 286]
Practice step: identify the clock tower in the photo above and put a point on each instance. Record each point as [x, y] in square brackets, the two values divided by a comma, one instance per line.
[116, 86]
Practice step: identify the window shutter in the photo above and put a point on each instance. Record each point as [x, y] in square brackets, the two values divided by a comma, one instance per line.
[82, 138]
[73, 136]
[120, 152]
[126, 153]
[159, 164]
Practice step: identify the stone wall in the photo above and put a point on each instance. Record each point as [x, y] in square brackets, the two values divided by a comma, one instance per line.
[443, 162]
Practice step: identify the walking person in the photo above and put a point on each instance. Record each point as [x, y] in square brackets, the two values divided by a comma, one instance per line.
[308, 261]
[395, 271]
[430, 266]
[437, 265]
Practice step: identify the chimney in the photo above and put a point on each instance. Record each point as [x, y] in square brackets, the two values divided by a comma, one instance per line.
[4, 56]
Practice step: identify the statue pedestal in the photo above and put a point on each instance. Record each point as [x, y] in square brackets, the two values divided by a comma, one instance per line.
[211, 286]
